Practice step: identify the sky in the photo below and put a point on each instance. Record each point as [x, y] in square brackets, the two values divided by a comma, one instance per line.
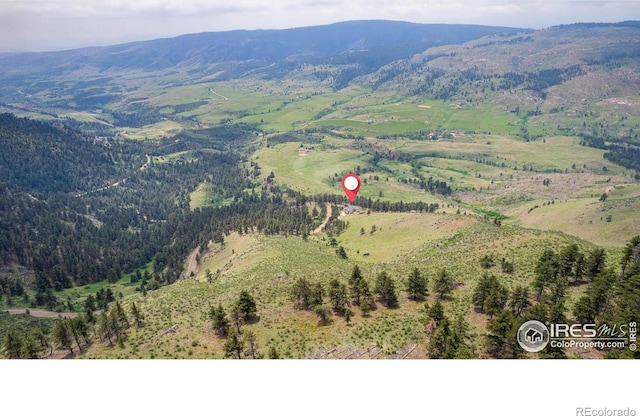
[37, 25]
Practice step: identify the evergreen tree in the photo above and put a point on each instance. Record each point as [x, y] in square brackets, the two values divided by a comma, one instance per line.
[317, 295]
[546, 271]
[138, 317]
[62, 334]
[365, 308]
[355, 284]
[502, 339]
[439, 343]
[121, 316]
[417, 285]
[443, 284]
[436, 312]
[568, 257]
[579, 267]
[79, 330]
[233, 345]
[497, 299]
[519, 300]
[348, 314]
[386, 290]
[629, 262]
[583, 310]
[338, 296]
[301, 294]
[219, 320]
[596, 262]
[250, 340]
[246, 305]
[13, 344]
[481, 291]
[236, 317]
[30, 348]
[323, 313]
[103, 327]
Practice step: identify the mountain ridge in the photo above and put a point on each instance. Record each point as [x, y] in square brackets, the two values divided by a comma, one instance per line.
[263, 44]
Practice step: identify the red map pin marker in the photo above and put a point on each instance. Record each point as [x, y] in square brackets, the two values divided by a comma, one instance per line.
[351, 185]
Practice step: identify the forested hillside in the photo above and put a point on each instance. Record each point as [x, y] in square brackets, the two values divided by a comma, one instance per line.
[72, 238]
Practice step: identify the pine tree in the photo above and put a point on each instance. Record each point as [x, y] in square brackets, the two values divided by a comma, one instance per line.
[436, 312]
[355, 284]
[79, 330]
[121, 316]
[519, 300]
[338, 296]
[301, 294]
[13, 344]
[62, 334]
[236, 317]
[386, 290]
[219, 320]
[546, 271]
[439, 343]
[567, 260]
[317, 295]
[443, 284]
[30, 348]
[233, 345]
[348, 314]
[417, 285]
[481, 291]
[596, 262]
[137, 314]
[246, 305]
[323, 313]
[250, 340]
[502, 339]
[104, 328]
[583, 310]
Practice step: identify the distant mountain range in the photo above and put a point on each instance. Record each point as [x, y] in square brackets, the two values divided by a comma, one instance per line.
[391, 39]
[553, 76]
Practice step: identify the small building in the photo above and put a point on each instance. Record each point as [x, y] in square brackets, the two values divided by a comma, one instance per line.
[351, 209]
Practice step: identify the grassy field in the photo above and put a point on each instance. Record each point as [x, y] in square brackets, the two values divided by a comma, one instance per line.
[588, 217]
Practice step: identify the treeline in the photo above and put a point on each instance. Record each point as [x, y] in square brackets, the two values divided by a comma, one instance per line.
[378, 205]
[624, 152]
[626, 156]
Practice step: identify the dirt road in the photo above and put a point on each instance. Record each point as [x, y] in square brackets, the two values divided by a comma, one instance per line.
[40, 313]
[326, 219]
[192, 262]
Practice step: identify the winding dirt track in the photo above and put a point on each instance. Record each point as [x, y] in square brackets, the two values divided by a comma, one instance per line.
[192, 263]
[326, 219]
[41, 313]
